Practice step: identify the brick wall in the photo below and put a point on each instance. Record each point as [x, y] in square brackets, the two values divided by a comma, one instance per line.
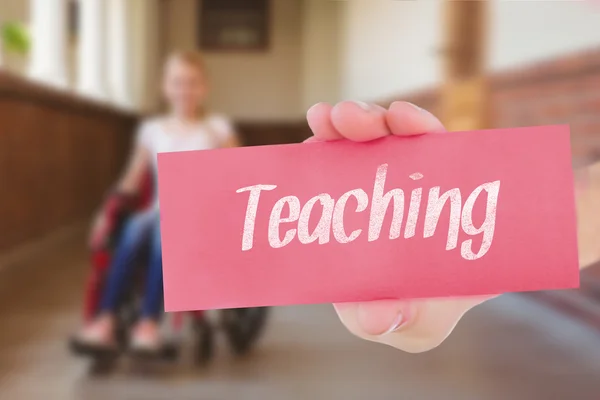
[560, 91]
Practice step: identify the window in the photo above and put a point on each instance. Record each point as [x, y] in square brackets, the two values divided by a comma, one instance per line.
[234, 25]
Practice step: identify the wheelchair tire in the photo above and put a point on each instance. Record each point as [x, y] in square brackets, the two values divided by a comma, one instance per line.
[243, 327]
[102, 366]
[205, 342]
[126, 317]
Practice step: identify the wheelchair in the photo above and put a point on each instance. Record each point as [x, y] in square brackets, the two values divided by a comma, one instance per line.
[242, 327]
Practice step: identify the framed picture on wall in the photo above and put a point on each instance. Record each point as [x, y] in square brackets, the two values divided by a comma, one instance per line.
[234, 25]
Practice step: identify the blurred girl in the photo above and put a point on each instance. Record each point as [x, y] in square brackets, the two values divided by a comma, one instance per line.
[186, 127]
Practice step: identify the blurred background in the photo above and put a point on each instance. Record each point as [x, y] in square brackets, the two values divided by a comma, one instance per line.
[77, 76]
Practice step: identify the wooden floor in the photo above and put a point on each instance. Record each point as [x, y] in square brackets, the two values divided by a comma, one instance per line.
[512, 348]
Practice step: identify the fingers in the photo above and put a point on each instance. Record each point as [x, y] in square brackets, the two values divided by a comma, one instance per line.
[319, 120]
[413, 326]
[406, 119]
[361, 122]
[347, 120]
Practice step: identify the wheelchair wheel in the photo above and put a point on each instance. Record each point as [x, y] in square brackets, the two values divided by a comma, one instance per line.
[126, 317]
[103, 365]
[104, 361]
[243, 327]
[205, 342]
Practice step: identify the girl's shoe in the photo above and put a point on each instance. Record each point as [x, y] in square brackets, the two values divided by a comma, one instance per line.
[96, 337]
[146, 339]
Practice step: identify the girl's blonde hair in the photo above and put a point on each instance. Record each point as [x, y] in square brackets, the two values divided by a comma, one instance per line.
[188, 57]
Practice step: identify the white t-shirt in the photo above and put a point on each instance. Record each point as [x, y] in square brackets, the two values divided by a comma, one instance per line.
[210, 133]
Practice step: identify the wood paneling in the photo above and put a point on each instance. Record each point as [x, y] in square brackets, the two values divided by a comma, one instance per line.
[58, 156]
[264, 133]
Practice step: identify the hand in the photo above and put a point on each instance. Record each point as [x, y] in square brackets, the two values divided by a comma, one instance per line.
[98, 231]
[410, 325]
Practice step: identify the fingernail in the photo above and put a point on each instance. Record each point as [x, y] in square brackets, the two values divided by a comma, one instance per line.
[416, 107]
[363, 105]
[398, 323]
[317, 106]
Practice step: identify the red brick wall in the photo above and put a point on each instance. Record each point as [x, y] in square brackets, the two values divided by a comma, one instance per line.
[565, 90]
[561, 91]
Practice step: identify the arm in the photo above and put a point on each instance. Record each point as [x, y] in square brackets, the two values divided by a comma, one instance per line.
[137, 166]
[224, 131]
[587, 196]
[127, 187]
[130, 182]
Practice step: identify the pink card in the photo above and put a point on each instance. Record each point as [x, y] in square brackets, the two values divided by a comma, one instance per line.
[437, 215]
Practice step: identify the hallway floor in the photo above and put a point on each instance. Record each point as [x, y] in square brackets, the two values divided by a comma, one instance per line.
[512, 348]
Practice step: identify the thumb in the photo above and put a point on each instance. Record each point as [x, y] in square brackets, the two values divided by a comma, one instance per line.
[413, 326]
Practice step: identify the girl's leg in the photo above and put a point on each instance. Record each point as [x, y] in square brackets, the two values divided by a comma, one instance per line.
[100, 332]
[152, 305]
[146, 335]
[132, 240]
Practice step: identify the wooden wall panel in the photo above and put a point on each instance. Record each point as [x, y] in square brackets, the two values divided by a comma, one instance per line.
[58, 156]
[265, 133]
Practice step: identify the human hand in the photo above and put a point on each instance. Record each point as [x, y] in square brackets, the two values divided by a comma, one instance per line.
[98, 232]
[116, 206]
[409, 325]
